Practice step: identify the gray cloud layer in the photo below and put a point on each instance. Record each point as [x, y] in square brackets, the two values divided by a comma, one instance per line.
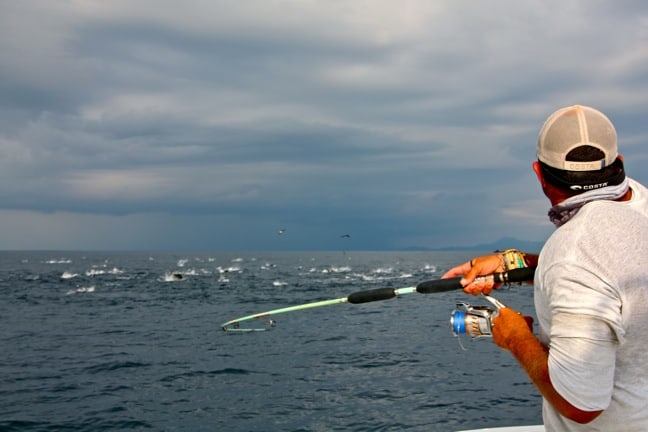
[212, 124]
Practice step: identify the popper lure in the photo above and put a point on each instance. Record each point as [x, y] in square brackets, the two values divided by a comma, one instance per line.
[428, 287]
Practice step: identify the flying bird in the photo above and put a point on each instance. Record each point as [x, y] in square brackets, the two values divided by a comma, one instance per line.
[281, 231]
[345, 236]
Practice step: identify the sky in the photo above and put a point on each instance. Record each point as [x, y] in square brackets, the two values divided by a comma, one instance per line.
[212, 125]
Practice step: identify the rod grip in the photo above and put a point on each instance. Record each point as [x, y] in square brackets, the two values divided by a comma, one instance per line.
[450, 284]
[516, 275]
[439, 285]
[371, 295]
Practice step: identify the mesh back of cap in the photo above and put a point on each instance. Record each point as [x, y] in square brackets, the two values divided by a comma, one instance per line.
[573, 127]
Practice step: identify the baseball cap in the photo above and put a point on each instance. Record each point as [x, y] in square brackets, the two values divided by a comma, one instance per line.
[572, 127]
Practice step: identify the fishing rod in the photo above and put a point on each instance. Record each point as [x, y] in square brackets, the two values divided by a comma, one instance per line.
[428, 287]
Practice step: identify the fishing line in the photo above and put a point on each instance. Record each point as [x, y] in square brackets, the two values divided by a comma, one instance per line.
[264, 322]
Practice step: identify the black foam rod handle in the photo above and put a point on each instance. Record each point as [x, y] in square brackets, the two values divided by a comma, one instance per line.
[516, 275]
[371, 295]
[439, 285]
[450, 284]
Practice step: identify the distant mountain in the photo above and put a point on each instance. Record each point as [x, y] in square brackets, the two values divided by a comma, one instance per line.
[501, 244]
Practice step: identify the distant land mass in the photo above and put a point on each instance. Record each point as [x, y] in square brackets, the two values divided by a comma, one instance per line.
[500, 244]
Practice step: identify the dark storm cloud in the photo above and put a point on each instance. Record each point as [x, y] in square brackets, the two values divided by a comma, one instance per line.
[409, 124]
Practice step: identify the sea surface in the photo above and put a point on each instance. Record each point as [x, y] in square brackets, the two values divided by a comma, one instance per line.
[123, 341]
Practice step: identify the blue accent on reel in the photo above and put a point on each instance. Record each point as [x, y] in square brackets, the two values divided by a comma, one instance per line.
[458, 322]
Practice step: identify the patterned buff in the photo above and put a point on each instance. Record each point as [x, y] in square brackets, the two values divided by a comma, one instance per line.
[562, 212]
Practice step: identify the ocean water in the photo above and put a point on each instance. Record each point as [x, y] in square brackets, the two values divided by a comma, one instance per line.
[95, 341]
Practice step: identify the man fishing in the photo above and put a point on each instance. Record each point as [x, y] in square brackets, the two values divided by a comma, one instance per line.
[590, 285]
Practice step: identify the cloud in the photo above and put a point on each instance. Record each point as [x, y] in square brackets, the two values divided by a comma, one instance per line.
[404, 124]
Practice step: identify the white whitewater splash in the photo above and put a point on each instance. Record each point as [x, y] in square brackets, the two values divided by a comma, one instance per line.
[80, 290]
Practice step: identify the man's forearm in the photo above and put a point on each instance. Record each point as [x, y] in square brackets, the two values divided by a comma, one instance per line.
[531, 259]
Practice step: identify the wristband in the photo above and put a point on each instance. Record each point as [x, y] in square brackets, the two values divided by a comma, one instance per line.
[513, 259]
